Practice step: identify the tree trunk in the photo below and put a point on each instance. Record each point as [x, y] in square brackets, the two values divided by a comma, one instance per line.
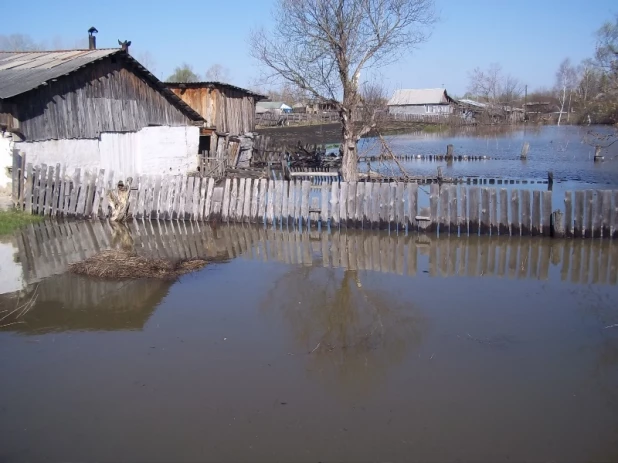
[349, 161]
[562, 104]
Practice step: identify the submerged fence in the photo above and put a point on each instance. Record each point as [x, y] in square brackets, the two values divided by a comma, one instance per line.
[452, 209]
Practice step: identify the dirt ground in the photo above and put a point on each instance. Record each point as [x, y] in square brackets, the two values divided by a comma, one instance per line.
[5, 199]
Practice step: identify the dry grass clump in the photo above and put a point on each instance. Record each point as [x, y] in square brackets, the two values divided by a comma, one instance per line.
[122, 265]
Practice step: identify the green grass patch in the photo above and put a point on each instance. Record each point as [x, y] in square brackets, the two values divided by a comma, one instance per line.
[13, 220]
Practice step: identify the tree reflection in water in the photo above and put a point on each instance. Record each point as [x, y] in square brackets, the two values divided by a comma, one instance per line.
[349, 333]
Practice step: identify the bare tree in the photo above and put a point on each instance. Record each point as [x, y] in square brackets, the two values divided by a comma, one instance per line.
[146, 59]
[321, 46]
[566, 81]
[218, 73]
[183, 73]
[18, 42]
[493, 86]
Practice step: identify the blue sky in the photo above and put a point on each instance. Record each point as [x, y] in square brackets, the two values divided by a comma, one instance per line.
[528, 38]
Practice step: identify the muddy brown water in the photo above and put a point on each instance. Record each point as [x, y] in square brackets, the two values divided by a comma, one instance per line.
[313, 346]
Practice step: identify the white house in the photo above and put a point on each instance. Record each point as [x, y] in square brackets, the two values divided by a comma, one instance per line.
[423, 101]
[275, 107]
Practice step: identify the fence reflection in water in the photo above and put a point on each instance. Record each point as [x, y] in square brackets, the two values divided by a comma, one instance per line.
[47, 248]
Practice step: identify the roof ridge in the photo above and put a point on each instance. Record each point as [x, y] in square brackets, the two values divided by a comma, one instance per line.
[58, 51]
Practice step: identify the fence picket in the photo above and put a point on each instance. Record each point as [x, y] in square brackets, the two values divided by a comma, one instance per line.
[324, 204]
[588, 211]
[503, 228]
[209, 194]
[225, 207]
[29, 186]
[262, 200]
[306, 189]
[343, 204]
[546, 217]
[474, 211]
[246, 212]
[493, 216]
[334, 203]
[536, 213]
[351, 204]
[578, 219]
[526, 219]
[568, 214]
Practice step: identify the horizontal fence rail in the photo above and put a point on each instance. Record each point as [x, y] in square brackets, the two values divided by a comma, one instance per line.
[444, 208]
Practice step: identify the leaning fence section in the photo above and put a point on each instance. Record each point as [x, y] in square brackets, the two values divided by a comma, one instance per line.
[443, 208]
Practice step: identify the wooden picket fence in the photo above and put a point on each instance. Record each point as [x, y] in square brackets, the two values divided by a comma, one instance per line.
[452, 209]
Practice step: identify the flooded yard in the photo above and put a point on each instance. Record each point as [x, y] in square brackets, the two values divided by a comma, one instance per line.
[311, 346]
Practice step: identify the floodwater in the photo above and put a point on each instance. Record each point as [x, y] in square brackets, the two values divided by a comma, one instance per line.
[312, 346]
[562, 150]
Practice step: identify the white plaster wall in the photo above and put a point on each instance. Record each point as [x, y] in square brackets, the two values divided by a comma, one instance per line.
[119, 152]
[68, 153]
[6, 158]
[152, 150]
[168, 150]
[11, 277]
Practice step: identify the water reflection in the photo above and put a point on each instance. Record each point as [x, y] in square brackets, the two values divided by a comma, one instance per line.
[70, 302]
[351, 333]
[46, 249]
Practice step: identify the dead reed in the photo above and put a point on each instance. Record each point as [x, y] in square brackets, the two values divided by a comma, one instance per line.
[123, 265]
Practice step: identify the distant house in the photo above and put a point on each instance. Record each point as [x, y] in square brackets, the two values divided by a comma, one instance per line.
[425, 101]
[274, 107]
[93, 109]
[226, 109]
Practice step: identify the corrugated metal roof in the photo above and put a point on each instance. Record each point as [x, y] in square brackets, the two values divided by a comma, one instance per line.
[23, 71]
[213, 83]
[419, 96]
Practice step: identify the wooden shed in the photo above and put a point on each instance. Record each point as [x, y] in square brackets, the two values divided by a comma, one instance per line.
[228, 110]
[96, 108]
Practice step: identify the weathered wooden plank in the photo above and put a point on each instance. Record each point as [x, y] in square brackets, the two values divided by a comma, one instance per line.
[568, 214]
[225, 207]
[278, 206]
[306, 189]
[293, 198]
[29, 186]
[98, 189]
[578, 218]
[493, 216]
[589, 212]
[367, 204]
[359, 204]
[515, 215]
[240, 201]
[42, 190]
[452, 218]
[536, 213]
[65, 194]
[434, 197]
[444, 211]
[474, 210]
[16, 157]
[351, 205]
[90, 195]
[464, 218]
[182, 198]
[392, 207]
[411, 194]
[400, 203]
[334, 204]
[526, 218]
[503, 227]
[156, 198]
[270, 202]
[83, 193]
[164, 200]
[597, 217]
[208, 202]
[255, 200]
[343, 204]
[376, 205]
[324, 205]
[56, 192]
[35, 189]
[385, 198]
[485, 212]
[262, 201]
[195, 203]
[246, 212]
[189, 198]
[546, 215]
